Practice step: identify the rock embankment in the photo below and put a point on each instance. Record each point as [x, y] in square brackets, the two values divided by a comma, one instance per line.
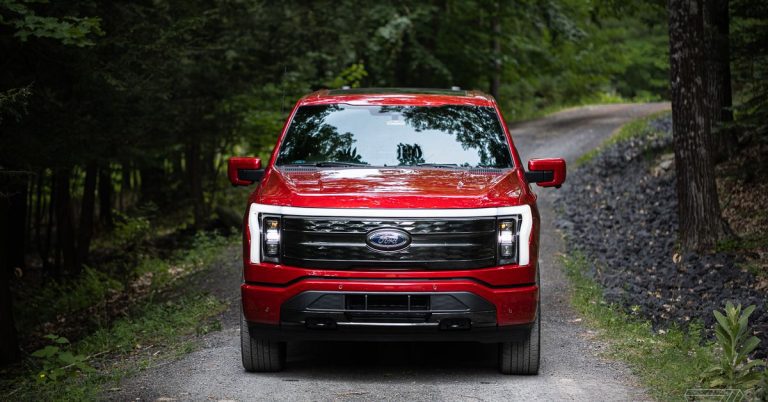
[620, 210]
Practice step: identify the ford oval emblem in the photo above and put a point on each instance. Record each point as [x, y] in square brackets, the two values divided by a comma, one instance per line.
[388, 239]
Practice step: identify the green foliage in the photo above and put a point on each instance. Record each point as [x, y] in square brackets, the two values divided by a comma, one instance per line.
[635, 128]
[587, 54]
[154, 324]
[749, 52]
[67, 30]
[734, 343]
[130, 231]
[58, 361]
[130, 344]
[14, 103]
[350, 76]
[205, 249]
[667, 362]
[54, 299]
[96, 288]
[750, 242]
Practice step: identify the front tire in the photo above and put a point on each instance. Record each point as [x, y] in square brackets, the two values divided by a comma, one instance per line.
[522, 357]
[260, 355]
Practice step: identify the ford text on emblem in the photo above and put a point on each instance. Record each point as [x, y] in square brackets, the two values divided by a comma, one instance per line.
[388, 239]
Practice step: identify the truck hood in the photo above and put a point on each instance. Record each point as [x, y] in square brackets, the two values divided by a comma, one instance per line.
[390, 188]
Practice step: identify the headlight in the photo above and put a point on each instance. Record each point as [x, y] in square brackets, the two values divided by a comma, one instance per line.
[270, 238]
[509, 234]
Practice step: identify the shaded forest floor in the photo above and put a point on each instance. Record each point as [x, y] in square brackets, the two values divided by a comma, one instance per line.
[98, 329]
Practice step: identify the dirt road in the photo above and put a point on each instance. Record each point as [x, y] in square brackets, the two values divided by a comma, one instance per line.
[571, 367]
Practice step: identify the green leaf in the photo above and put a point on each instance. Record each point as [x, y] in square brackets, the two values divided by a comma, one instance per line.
[717, 383]
[67, 357]
[750, 345]
[748, 311]
[45, 352]
[724, 324]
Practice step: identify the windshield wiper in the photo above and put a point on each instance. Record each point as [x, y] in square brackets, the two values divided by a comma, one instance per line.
[440, 165]
[329, 164]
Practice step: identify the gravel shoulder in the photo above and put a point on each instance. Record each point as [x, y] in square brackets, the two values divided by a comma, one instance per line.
[572, 368]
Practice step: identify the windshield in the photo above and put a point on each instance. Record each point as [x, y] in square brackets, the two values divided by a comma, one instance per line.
[453, 136]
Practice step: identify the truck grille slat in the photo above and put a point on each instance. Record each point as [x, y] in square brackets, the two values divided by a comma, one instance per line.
[340, 243]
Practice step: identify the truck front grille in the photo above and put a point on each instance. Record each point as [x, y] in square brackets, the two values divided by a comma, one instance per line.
[340, 243]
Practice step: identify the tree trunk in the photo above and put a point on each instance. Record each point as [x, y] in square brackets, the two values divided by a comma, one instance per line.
[195, 177]
[701, 224]
[13, 190]
[13, 200]
[85, 228]
[39, 208]
[718, 65]
[9, 345]
[29, 214]
[125, 186]
[105, 197]
[154, 184]
[46, 251]
[65, 239]
[495, 50]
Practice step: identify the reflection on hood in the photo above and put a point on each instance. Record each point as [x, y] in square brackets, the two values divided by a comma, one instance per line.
[400, 187]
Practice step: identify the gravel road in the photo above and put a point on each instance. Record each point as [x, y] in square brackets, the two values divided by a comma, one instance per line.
[571, 366]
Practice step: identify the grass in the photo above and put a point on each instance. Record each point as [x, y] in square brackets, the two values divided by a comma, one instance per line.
[600, 98]
[749, 242]
[156, 333]
[633, 129]
[96, 287]
[149, 331]
[667, 362]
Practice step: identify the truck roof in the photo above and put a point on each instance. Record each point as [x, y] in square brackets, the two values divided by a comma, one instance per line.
[398, 96]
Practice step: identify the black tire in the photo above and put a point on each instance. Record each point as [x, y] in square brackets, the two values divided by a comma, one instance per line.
[260, 355]
[522, 357]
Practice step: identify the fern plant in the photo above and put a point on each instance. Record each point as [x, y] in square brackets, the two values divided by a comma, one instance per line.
[734, 369]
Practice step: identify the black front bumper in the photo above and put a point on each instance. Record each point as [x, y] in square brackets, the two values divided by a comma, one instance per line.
[390, 316]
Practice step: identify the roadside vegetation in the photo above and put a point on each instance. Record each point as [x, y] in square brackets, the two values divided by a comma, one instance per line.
[117, 327]
[673, 360]
[706, 337]
[668, 361]
[635, 128]
[155, 332]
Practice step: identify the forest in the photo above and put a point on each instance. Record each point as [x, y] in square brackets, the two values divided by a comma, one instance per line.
[116, 118]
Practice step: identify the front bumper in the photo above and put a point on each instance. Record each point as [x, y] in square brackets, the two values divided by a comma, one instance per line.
[390, 334]
[493, 313]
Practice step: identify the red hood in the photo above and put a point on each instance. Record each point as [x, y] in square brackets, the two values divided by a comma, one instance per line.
[390, 188]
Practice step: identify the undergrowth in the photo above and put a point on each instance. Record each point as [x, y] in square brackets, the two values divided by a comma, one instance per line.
[131, 324]
[635, 128]
[95, 289]
[156, 332]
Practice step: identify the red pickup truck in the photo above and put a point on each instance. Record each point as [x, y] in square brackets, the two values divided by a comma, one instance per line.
[392, 215]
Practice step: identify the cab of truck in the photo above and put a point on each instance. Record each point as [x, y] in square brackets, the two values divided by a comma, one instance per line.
[392, 215]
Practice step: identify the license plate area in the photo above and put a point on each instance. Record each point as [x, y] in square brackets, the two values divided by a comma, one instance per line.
[382, 302]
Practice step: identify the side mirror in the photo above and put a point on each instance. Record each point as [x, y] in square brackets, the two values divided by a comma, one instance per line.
[244, 171]
[549, 172]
